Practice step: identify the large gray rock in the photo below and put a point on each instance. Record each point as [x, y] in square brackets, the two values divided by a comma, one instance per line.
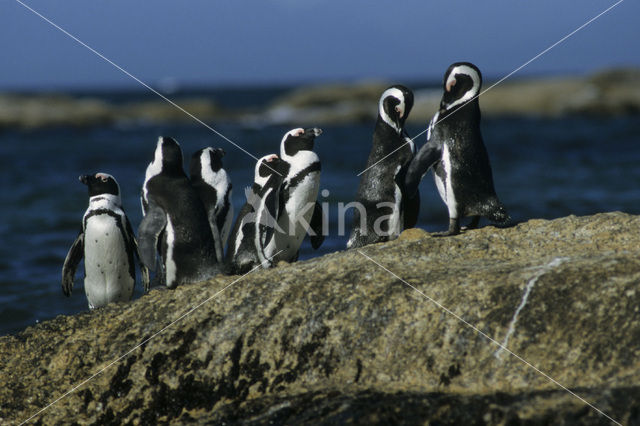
[339, 339]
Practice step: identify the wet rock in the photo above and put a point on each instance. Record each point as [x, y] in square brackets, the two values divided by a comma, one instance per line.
[416, 330]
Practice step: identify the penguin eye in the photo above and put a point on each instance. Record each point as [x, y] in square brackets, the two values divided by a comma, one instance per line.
[103, 178]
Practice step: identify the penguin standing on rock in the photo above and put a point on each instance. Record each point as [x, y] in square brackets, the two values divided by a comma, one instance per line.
[254, 227]
[213, 185]
[108, 245]
[299, 213]
[457, 153]
[387, 209]
[175, 223]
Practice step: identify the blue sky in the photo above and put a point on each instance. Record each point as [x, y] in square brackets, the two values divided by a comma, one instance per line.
[287, 41]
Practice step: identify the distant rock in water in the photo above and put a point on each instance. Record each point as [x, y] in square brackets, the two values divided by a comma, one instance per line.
[606, 93]
[42, 110]
[339, 339]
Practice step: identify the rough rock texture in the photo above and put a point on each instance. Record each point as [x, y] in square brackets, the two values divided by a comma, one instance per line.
[338, 339]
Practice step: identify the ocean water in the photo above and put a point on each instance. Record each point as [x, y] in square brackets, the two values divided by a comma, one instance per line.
[543, 168]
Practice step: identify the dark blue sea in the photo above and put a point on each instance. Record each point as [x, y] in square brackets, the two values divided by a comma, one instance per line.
[543, 168]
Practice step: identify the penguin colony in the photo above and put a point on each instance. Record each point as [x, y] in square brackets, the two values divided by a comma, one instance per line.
[187, 220]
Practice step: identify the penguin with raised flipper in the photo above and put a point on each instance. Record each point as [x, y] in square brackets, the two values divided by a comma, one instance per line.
[299, 213]
[108, 246]
[255, 225]
[213, 185]
[387, 209]
[175, 223]
[456, 152]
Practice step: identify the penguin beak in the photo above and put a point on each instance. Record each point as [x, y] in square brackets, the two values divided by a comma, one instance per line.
[313, 131]
[84, 179]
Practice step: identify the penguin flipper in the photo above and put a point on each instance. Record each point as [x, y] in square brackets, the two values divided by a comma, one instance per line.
[426, 157]
[144, 271]
[411, 210]
[267, 216]
[151, 226]
[316, 224]
[71, 262]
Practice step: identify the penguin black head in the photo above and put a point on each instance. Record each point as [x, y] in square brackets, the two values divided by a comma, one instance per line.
[215, 155]
[461, 82]
[395, 105]
[168, 155]
[297, 140]
[268, 166]
[101, 184]
[209, 158]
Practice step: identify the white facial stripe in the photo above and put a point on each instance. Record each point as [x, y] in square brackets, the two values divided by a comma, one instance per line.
[295, 132]
[471, 73]
[396, 93]
[261, 180]
[205, 166]
[155, 167]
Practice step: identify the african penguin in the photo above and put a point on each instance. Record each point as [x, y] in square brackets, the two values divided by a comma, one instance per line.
[108, 245]
[213, 185]
[383, 209]
[175, 223]
[299, 213]
[253, 230]
[457, 153]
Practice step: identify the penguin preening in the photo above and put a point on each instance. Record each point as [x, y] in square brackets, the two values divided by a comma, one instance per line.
[387, 209]
[108, 245]
[299, 212]
[213, 186]
[456, 152]
[254, 228]
[175, 223]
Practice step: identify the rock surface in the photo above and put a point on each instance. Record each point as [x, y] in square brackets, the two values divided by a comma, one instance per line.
[340, 339]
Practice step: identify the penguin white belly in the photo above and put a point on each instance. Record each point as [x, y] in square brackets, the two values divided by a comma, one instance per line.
[445, 187]
[396, 219]
[298, 210]
[221, 183]
[170, 267]
[107, 276]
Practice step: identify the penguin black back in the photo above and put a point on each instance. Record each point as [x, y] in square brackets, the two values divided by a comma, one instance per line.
[214, 188]
[456, 151]
[177, 219]
[391, 152]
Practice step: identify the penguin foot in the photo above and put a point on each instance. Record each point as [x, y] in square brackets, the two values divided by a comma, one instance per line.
[475, 220]
[454, 229]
